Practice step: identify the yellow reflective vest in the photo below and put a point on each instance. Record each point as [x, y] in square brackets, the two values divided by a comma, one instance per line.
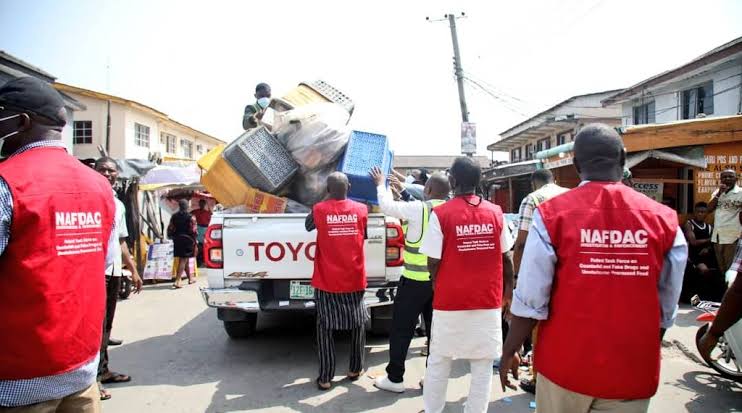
[415, 263]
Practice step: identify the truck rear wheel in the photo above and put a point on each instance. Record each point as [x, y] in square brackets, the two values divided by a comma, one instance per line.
[241, 329]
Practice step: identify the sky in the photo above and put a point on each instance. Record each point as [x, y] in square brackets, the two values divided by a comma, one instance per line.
[199, 61]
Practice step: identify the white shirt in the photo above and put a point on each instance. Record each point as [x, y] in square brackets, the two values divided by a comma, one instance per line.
[412, 212]
[114, 242]
[466, 334]
[727, 228]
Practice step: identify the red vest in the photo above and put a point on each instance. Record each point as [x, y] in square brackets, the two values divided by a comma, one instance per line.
[602, 338]
[340, 262]
[470, 273]
[52, 289]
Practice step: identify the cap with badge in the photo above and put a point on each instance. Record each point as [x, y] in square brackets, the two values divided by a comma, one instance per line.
[35, 97]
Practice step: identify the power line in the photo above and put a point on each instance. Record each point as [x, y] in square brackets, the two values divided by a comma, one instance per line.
[504, 102]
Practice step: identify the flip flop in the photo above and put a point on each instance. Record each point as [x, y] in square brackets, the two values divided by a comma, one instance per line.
[175, 287]
[116, 378]
[354, 376]
[192, 282]
[321, 387]
[104, 394]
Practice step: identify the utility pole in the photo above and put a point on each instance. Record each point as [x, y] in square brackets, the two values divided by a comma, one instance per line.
[457, 66]
[458, 71]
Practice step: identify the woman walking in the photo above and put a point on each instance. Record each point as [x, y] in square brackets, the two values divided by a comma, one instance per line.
[182, 230]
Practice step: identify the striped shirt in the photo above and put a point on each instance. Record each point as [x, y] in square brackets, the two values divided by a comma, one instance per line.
[40, 389]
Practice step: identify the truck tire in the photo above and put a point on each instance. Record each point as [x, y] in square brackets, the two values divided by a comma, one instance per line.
[241, 329]
[381, 320]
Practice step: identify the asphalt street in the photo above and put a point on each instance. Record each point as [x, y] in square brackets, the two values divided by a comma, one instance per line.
[181, 360]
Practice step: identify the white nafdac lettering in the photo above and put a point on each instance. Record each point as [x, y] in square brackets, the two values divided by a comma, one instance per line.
[73, 219]
[475, 229]
[613, 236]
[342, 219]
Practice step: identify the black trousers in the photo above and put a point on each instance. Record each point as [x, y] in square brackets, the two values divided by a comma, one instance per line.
[113, 286]
[413, 298]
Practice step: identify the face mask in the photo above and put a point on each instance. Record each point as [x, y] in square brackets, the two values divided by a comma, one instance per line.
[263, 102]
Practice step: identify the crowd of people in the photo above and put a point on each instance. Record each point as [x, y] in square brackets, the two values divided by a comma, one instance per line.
[461, 277]
[580, 255]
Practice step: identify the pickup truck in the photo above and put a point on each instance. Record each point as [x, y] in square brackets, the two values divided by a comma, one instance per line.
[264, 262]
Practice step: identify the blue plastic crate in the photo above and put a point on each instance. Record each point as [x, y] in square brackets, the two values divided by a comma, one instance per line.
[364, 151]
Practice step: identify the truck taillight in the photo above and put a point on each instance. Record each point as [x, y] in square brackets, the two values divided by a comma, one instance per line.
[213, 253]
[394, 245]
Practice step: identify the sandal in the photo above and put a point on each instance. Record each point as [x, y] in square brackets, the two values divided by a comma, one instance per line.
[323, 386]
[115, 378]
[192, 282]
[175, 287]
[354, 376]
[104, 394]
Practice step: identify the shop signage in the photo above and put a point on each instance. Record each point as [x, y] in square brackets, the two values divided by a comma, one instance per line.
[558, 162]
[650, 189]
[719, 157]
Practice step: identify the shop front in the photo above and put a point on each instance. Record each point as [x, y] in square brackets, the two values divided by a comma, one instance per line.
[677, 163]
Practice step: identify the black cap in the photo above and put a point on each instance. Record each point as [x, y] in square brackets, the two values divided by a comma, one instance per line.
[35, 97]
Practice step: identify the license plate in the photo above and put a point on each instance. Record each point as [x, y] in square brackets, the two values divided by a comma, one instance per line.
[300, 291]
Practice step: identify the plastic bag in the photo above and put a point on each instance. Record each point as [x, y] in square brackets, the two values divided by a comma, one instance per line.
[310, 187]
[314, 134]
[293, 207]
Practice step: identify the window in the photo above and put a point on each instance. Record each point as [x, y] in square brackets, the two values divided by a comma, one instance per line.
[82, 132]
[698, 100]
[200, 149]
[561, 139]
[543, 145]
[515, 155]
[644, 114]
[187, 148]
[141, 135]
[529, 151]
[170, 143]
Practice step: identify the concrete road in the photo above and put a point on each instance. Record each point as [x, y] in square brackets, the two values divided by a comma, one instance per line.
[182, 361]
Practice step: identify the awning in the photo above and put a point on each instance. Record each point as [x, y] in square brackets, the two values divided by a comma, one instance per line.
[692, 156]
[499, 173]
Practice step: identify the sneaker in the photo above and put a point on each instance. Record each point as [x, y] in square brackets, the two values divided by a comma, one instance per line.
[528, 386]
[383, 383]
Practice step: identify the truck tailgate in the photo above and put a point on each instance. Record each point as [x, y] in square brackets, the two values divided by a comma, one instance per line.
[264, 246]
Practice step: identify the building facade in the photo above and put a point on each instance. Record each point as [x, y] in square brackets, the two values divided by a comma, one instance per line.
[555, 127]
[136, 131]
[708, 86]
[433, 163]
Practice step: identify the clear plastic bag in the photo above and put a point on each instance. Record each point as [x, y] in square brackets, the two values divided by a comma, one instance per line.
[310, 187]
[314, 134]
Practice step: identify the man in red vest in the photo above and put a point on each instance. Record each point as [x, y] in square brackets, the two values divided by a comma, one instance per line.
[602, 270]
[467, 244]
[339, 276]
[56, 216]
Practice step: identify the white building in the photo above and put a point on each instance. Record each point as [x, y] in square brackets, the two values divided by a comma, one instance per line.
[707, 86]
[136, 130]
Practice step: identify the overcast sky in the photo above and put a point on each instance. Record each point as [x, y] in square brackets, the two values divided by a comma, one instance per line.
[199, 61]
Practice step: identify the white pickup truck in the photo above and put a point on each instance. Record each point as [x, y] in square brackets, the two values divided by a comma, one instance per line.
[264, 262]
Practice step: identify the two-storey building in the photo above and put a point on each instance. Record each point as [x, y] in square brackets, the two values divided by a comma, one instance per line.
[129, 129]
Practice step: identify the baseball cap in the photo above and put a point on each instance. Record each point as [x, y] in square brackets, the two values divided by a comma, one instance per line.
[35, 97]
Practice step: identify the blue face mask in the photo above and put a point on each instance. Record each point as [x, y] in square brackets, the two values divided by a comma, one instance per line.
[263, 102]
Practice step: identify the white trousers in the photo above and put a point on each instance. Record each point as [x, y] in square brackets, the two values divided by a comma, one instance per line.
[436, 383]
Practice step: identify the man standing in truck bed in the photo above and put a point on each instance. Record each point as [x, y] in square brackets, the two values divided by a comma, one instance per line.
[339, 276]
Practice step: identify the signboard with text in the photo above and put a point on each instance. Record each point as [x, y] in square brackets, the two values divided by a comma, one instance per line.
[719, 157]
[650, 189]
